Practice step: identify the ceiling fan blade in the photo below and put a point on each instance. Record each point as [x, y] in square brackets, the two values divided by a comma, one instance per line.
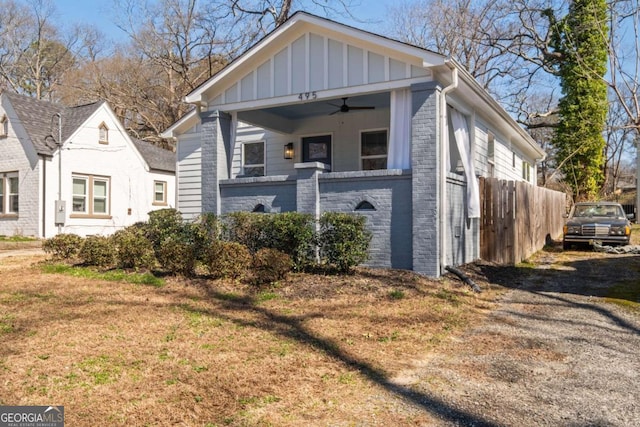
[361, 108]
[335, 112]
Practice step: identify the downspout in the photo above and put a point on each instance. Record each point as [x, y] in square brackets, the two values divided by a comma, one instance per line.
[443, 167]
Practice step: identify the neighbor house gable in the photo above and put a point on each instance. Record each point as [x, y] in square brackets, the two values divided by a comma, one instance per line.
[89, 131]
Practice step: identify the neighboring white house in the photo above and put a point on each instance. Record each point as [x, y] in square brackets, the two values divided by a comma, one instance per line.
[97, 181]
[319, 116]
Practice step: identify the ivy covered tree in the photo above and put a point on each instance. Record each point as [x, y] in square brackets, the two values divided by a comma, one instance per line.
[581, 39]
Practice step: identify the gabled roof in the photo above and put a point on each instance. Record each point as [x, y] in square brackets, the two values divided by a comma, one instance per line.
[301, 23]
[39, 119]
[156, 157]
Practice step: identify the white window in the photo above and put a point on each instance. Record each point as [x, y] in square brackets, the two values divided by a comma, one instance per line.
[103, 134]
[159, 193]
[90, 195]
[526, 171]
[253, 158]
[373, 149]
[9, 193]
[491, 145]
[4, 126]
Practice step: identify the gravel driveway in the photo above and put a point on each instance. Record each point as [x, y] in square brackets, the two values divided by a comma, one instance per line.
[556, 352]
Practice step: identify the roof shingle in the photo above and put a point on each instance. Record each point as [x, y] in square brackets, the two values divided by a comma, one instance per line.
[39, 119]
[156, 157]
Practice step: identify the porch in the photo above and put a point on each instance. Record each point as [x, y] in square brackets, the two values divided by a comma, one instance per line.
[382, 196]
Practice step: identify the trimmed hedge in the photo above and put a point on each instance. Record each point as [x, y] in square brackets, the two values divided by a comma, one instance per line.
[229, 260]
[63, 246]
[225, 245]
[97, 251]
[133, 249]
[177, 256]
[343, 240]
[270, 266]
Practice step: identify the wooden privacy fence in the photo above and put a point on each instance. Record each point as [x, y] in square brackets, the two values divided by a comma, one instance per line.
[517, 219]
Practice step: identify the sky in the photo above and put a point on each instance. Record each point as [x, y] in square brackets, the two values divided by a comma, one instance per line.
[98, 13]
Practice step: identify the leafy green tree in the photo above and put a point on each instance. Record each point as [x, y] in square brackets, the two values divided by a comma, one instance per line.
[581, 39]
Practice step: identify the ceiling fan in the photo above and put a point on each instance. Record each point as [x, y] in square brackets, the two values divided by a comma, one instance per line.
[344, 108]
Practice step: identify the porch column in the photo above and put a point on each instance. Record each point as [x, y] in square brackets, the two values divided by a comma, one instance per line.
[307, 188]
[425, 170]
[215, 157]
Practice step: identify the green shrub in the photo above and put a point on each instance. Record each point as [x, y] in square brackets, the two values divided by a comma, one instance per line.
[246, 228]
[210, 225]
[228, 259]
[199, 236]
[163, 224]
[63, 246]
[269, 266]
[343, 240]
[97, 251]
[133, 249]
[292, 233]
[170, 236]
[177, 256]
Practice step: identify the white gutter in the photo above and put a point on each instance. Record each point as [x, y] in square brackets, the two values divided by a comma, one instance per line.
[443, 167]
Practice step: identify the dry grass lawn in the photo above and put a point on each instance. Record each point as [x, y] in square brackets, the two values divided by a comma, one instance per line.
[316, 350]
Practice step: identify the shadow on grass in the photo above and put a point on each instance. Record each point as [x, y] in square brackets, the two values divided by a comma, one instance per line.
[292, 327]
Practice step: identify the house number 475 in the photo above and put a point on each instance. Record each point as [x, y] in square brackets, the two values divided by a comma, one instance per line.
[303, 96]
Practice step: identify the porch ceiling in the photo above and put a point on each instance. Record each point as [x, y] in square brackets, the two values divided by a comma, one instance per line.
[325, 107]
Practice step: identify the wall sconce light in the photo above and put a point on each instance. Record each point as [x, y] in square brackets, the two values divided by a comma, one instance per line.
[288, 151]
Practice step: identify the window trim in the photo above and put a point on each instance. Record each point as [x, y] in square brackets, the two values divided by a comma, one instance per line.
[90, 197]
[376, 156]
[262, 165]
[103, 128]
[162, 202]
[526, 171]
[5, 191]
[4, 126]
[491, 146]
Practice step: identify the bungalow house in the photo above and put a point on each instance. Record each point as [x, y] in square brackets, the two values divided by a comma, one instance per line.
[319, 116]
[75, 170]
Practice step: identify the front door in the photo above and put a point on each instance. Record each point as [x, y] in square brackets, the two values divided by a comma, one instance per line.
[317, 149]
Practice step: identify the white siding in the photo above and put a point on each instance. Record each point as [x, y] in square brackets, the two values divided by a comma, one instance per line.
[298, 65]
[345, 141]
[21, 157]
[336, 64]
[189, 179]
[131, 186]
[314, 62]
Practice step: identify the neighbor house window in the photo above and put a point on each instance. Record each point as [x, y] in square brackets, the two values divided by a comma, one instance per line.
[159, 193]
[491, 145]
[90, 195]
[526, 171]
[9, 193]
[4, 126]
[253, 158]
[373, 149]
[103, 134]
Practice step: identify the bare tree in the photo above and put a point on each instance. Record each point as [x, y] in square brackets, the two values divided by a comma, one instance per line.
[174, 45]
[34, 54]
[253, 19]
